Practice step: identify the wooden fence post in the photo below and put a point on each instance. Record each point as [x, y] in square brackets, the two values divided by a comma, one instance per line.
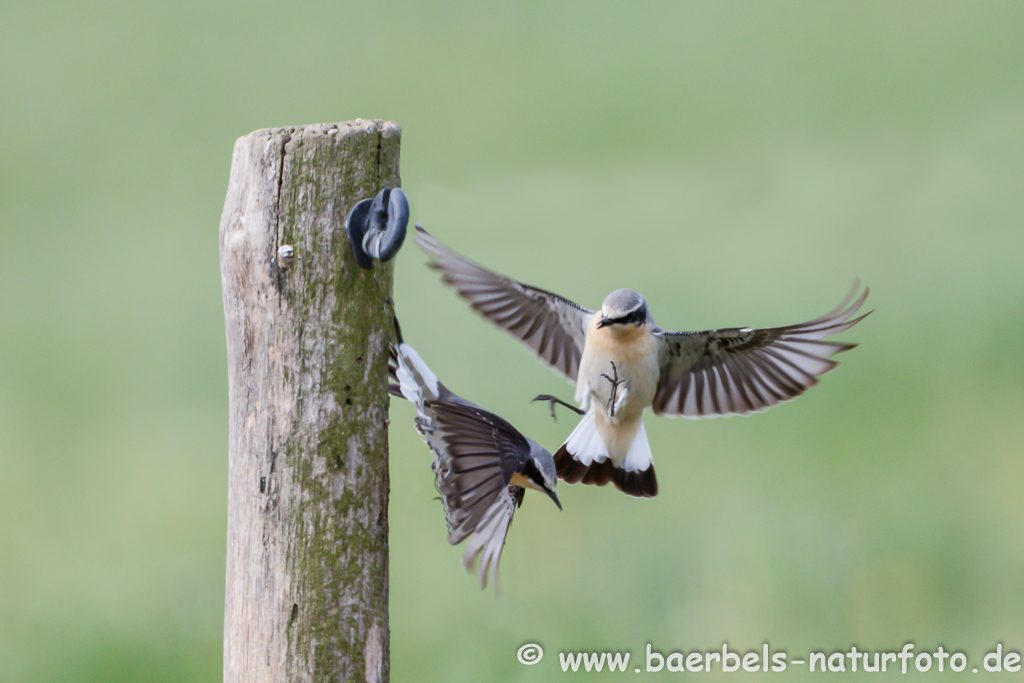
[307, 341]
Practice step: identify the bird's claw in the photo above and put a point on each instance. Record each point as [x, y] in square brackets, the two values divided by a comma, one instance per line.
[552, 400]
[615, 382]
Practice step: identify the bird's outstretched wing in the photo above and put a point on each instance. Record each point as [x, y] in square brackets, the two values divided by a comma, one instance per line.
[554, 327]
[741, 370]
[477, 454]
[489, 539]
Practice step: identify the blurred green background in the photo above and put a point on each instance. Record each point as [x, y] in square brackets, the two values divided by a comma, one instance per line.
[739, 163]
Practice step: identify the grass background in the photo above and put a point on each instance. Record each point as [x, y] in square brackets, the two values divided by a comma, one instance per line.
[739, 163]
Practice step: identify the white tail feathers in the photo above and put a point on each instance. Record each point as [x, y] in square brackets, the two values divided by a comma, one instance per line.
[639, 456]
[587, 446]
[416, 381]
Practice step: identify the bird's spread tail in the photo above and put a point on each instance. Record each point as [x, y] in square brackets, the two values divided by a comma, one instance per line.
[584, 457]
[415, 380]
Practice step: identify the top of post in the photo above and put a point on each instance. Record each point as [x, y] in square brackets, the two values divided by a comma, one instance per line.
[386, 129]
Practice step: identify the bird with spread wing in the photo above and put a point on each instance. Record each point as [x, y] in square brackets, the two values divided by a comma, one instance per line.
[622, 362]
[482, 464]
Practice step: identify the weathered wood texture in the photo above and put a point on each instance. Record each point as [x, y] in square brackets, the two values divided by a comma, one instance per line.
[307, 340]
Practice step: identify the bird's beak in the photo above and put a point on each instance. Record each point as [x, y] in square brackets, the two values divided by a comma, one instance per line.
[604, 322]
[553, 497]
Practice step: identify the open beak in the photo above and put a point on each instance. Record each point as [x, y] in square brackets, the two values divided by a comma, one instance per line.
[603, 322]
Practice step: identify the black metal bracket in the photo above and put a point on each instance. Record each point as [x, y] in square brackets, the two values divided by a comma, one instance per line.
[376, 227]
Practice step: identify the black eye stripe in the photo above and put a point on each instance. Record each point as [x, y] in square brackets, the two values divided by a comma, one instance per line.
[637, 317]
[634, 317]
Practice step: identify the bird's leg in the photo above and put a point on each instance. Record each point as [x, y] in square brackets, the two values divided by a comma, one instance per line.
[552, 400]
[622, 397]
[424, 425]
[614, 405]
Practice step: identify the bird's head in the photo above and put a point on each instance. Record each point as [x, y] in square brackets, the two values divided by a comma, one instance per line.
[622, 308]
[540, 471]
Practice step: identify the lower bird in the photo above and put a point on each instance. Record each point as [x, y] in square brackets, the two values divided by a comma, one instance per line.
[622, 362]
[482, 464]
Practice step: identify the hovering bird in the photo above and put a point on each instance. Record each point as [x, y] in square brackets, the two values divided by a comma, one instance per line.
[482, 464]
[622, 362]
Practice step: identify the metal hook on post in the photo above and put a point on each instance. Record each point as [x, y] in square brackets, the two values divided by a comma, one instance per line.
[376, 227]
